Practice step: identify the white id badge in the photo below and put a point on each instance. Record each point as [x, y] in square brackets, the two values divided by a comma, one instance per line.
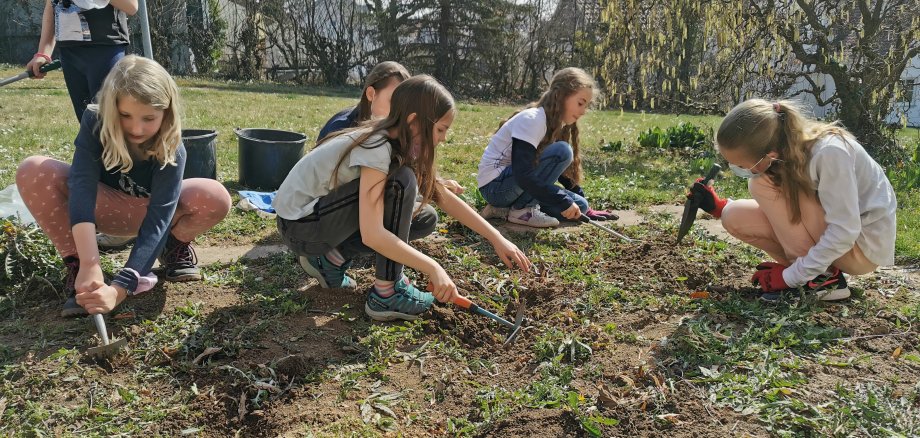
[69, 25]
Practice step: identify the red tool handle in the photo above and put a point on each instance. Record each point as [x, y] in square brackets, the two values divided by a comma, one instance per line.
[459, 300]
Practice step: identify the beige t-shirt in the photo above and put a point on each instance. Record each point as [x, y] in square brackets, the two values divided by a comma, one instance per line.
[311, 177]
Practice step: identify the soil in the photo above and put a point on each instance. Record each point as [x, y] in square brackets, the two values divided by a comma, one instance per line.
[295, 358]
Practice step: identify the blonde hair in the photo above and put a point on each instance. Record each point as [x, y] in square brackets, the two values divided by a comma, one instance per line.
[424, 96]
[149, 83]
[759, 127]
[381, 76]
[565, 83]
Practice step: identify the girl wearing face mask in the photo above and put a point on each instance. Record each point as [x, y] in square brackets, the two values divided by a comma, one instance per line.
[822, 206]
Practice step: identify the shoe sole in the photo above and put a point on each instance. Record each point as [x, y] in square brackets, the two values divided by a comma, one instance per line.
[311, 271]
[388, 315]
[520, 222]
[833, 294]
[184, 278]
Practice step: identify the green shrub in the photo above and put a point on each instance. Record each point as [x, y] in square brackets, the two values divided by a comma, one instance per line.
[905, 175]
[653, 138]
[27, 258]
[689, 136]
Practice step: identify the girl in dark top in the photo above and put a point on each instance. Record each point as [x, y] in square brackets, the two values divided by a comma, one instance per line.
[126, 178]
[92, 35]
[375, 103]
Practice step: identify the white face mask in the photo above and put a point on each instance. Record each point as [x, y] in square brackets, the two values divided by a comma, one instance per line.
[747, 173]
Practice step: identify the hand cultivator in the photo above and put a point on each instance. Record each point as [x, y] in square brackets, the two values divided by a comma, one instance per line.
[107, 349]
[588, 220]
[514, 328]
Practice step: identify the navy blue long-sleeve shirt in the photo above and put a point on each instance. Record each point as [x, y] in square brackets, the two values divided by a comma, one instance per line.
[547, 193]
[346, 118]
[147, 179]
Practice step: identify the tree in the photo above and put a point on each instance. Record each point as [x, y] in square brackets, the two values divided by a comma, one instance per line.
[862, 45]
[394, 24]
[709, 55]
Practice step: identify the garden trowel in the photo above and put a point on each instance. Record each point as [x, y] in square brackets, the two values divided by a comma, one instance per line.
[693, 204]
[107, 349]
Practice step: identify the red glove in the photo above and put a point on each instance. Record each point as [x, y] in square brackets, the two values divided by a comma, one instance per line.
[707, 198]
[769, 277]
[601, 215]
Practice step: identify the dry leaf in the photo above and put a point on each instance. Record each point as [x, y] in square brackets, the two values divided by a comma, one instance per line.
[605, 398]
[671, 418]
[241, 412]
[267, 386]
[125, 315]
[897, 353]
[207, 352]
[367, 413]
[700, 294]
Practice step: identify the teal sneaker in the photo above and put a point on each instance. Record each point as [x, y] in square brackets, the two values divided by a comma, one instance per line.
[328, 274]
[406, 303]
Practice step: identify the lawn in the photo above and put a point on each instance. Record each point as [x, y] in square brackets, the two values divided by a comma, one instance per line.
[651, 338]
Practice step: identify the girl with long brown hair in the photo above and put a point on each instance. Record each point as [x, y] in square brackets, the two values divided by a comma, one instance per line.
[355, 193]
[533, 150]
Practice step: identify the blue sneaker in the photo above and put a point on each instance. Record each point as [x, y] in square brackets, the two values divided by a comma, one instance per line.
[406, 303]
[328, 274]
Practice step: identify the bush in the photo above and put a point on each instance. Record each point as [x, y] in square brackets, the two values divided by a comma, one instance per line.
[689, 137]
[653, 138]
[28, 260]
[686, 136]
[905, 175]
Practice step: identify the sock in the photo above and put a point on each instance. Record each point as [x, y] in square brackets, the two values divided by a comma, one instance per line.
[384, 288]
[335, 257]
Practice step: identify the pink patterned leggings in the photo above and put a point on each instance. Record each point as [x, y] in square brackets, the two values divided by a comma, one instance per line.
[42, 183]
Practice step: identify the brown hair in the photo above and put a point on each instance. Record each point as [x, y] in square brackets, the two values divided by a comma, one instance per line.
[424, 96]
[760, 127]
[565, 83]
[381, 76]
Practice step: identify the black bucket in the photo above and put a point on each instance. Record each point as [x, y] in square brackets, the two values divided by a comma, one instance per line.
[267, 156]
[201, 153]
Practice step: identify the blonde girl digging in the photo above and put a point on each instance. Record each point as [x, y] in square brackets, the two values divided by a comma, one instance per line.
[125, 179]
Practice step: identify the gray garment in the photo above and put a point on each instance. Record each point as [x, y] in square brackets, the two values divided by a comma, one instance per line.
[310, 179]
[334, 222]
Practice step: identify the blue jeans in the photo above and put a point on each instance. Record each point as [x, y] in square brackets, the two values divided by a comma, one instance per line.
[85, 67]
[504, 191]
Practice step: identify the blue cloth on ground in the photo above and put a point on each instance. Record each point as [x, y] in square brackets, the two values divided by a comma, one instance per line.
[260, 200]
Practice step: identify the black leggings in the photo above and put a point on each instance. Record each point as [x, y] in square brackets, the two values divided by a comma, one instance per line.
[334, 222]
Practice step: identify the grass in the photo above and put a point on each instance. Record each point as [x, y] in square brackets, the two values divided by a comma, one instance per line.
[36, 117]
[607, 352]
